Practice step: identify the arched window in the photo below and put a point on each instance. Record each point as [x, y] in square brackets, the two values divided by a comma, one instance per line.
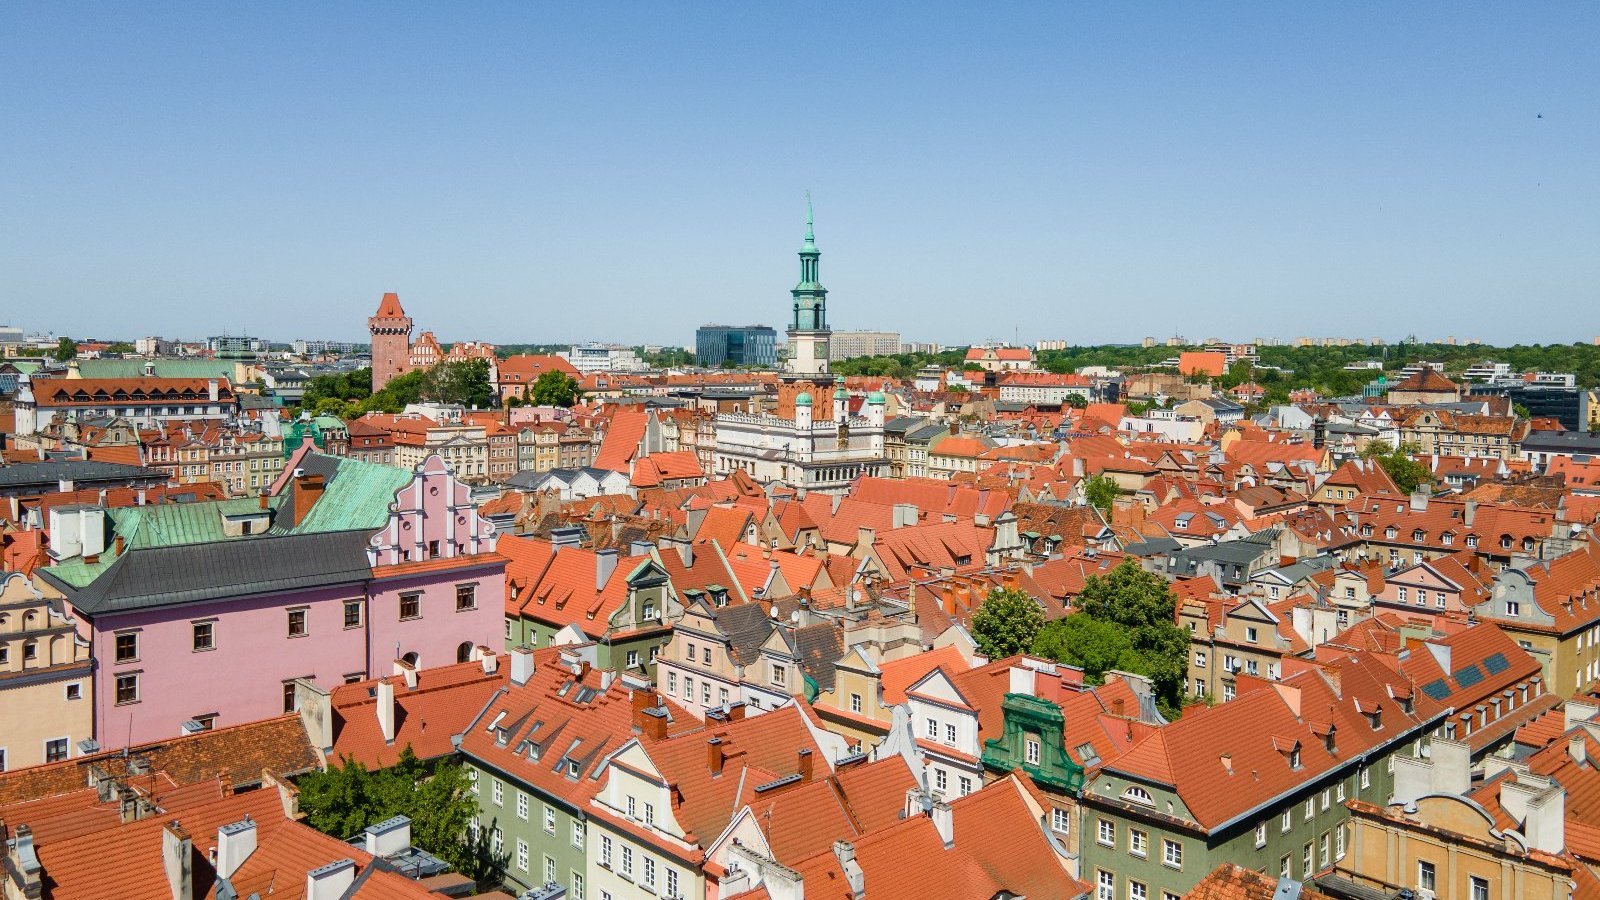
[1138, 794]
[463, 652]
[411, 658]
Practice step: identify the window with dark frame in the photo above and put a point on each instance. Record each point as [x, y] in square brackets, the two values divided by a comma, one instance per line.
[288, 697]
[127, 688]
[352, 614]
[466, 597]
[55, 750]
[205, 635]
[127, 647]
[297, 624]
[410, 606]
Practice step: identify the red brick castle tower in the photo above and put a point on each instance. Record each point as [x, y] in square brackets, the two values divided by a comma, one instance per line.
[391, 341]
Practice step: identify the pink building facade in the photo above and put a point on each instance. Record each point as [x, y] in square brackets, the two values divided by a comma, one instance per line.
[213, 634]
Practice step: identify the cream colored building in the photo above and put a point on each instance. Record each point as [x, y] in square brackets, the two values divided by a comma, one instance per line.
[45, 703]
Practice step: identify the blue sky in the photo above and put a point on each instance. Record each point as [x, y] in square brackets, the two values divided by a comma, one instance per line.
[544, 172]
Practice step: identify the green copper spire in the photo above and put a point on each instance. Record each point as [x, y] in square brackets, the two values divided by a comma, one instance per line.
[810, 297]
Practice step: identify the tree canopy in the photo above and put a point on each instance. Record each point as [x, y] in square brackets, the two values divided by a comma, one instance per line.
[1093, 645]
[553, 388]
[1141, 606]
[66, 348]
[1006, 623]
[1407, 473]
[465, 382]
[437, 797]
[1100, 492]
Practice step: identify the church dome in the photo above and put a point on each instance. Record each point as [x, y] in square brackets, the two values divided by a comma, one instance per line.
[803, 400]
[841, 394]
[876, 398]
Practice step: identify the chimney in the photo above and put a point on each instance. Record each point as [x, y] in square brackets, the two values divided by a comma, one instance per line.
[652, 723]
[490, 661]
[263, 500]
[1545, 825]
[119, 544]
[805, 764]
[235, 843]
[388, 837]
[605, 562]
[944, 821]
[330, 882]
[714, 756]
[1419, 498]
[845, 852]
[1469, 510]
[177, 858]
[401, 667]
[1578, 748]
[735, 710]
[1117, 707]
[521, 664]
[386, 710]
[583, 670]
[211, 389]
[307, 489]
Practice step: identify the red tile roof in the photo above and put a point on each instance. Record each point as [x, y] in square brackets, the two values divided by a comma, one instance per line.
[442, 704]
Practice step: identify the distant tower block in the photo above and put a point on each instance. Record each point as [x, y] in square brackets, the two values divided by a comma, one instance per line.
[391, 341]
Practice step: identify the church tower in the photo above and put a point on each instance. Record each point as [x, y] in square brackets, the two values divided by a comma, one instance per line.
[808, 330]
[391, 341]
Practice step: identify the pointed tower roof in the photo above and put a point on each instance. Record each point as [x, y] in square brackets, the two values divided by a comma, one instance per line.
[811, 238]
[391, 306]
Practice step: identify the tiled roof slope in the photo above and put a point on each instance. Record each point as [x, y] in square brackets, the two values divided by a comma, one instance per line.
[242, 751]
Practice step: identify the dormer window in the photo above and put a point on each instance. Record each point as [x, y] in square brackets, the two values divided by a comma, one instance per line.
[1505, 542]
[1391, 532]
[649, 611]
[1294, 757]
[1136, 794]
[1366, 531]
[1418, 535]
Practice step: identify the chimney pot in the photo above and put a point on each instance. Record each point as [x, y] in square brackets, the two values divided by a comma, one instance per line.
[805, 764]
[714, 755]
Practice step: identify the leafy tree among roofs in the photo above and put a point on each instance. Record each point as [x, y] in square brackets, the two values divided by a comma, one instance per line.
[1005, 623]
[436, 796]
[554, 388]
[1407, 473]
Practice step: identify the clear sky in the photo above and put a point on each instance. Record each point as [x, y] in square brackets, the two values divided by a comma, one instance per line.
[549, 172]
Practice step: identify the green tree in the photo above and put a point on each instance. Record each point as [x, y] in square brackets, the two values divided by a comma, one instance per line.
[463, 381]
[66, 349]
[554, 388]
[1407, 473]
[1089, 643]
[437, 797]
[401, 391]
[1006, 623]
[1142, 605]
[1100, 492]
[1076, 401]
[121, 347]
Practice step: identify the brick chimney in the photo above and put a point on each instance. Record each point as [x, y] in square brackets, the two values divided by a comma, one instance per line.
[805, 764]
[652, 723]
[714, 756]
[307, 490]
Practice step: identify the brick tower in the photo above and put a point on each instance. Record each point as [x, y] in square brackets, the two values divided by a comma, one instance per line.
[391, 341]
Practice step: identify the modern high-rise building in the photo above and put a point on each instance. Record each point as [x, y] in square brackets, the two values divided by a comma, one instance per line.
[851, 344]
[742, 345]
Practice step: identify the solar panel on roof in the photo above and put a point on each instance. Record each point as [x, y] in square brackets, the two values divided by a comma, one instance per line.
[1469, 676]
[1436, 689]
[1496, 664]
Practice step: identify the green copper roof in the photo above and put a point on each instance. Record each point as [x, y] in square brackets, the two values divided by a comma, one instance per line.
[170, 524]
[165, 368]
[358, 496]
[803, 400]
[876, 398]
[811, 238]
[840, 393]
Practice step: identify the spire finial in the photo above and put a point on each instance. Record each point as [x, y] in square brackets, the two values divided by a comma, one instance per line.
[810, 237]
